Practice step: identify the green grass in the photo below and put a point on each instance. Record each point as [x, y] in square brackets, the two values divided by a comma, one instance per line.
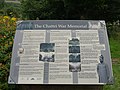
[116, 72]
[114, 48]
[115, 53]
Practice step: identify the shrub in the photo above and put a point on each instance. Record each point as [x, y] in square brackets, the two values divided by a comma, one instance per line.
[113, 31]
[7, 31]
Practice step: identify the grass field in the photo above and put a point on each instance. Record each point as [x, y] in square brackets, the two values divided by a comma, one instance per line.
[115, 48]
[115, 53]
[116, 72]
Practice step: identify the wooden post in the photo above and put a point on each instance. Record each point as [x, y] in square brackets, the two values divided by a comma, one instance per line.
[60, 87]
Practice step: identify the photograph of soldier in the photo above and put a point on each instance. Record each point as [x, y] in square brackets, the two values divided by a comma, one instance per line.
[103, 71]
[74, 41]
[74, 57]
[47, 47]
[46, 57]
[74, 49]
[74, 67]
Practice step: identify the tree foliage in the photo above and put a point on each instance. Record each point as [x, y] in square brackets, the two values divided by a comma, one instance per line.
[2, 4]
[113, 10]
[71, 9]
[10, 9]
[43, 9]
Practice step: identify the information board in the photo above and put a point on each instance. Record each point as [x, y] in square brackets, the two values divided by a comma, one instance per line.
[61, 52]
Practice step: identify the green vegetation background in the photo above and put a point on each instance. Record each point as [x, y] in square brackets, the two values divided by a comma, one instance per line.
[58, 9]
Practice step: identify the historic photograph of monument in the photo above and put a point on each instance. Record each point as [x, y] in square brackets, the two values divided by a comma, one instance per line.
[74, 57]
[47, 52]
[47, 47]
[46, 57]
[74, 67]
[74, 41]
[74, 49]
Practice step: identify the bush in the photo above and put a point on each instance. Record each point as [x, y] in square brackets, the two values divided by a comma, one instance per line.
[7, 31]
[113, 31]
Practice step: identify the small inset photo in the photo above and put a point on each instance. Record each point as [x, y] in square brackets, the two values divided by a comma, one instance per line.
[47, 47]
[74, 41]
[74, 67]
[47, 57]
[74, 49]
[74, 57]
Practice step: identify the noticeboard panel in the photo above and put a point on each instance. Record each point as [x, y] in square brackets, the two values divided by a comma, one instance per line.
[61, 52]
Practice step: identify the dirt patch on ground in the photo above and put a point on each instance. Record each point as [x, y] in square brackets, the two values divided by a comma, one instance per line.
[115, 60]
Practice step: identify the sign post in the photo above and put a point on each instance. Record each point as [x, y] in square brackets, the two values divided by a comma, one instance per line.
[61, 53]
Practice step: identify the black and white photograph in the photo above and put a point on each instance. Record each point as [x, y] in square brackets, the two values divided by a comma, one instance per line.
[74, 57]
[103, 71]
[74, 67]
[47, 47]
[47, 57]
[74, 49]
[74, 41]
